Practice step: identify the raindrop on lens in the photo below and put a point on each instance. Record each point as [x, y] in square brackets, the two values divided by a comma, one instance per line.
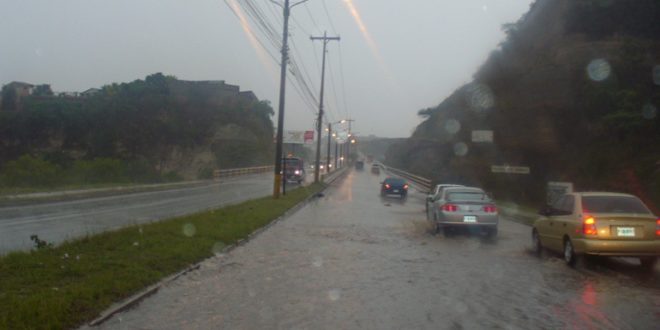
[460, 149]
[317, 262]
[334, 295]
[189, 230]
[480, 97]
[649, 111]
[656, 75]
[452, 126]
[599, 69]
[218, 248]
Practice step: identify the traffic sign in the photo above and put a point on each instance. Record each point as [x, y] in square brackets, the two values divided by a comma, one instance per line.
[510, 169]
[482, 136]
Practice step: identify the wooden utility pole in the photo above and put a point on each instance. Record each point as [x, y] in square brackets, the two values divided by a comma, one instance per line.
[319, 122]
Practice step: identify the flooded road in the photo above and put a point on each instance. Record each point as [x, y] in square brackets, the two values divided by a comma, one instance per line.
[352, 260]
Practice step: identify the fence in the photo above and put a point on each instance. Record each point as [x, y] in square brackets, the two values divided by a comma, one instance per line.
[421, 182]
[217, 174]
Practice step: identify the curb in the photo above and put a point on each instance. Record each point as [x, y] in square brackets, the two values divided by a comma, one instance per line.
[137, 298]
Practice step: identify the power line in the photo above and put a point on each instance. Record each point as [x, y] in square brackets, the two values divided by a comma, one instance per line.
[325, 8]
[255, 37]
[343, 82]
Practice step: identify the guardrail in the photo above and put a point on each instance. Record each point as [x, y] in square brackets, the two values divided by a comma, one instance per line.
[332, 176]
[420, 181]
[217, 174]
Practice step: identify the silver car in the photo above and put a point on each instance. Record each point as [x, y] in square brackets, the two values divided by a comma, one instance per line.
[436, 192]
[464, 207]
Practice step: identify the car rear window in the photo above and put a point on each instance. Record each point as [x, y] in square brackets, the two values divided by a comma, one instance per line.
[395, 181]
[613, 204]
[467, 196]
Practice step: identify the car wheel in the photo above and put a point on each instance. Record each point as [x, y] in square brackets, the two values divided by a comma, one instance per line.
[648, 263]
[569, 253]
[536, 243]
[447, 231]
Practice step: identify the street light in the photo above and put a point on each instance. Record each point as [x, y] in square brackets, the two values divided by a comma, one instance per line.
[330, 135]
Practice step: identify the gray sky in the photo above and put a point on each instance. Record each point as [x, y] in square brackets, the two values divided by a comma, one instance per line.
[421, 50]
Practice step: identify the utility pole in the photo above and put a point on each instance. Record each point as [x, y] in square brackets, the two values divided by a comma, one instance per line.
[336, 154]
[327, 166]
[350, 136]
[319, 122]
[286, 11]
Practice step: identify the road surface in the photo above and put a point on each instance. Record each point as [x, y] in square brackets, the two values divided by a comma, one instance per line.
[56, 222]
[352, 260]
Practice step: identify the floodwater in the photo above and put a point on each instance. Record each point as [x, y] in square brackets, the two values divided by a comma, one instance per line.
[352, 260]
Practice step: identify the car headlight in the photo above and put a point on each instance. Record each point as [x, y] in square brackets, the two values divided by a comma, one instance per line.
[297, 172]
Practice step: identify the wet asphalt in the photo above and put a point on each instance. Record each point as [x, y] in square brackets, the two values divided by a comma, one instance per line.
[353, 260]
[60, 221]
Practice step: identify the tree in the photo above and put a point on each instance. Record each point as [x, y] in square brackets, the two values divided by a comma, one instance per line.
[8, 98]
[42, 90]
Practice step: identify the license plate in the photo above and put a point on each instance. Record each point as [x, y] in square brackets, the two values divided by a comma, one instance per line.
[625, 231]
[469, 218]
[396, 190]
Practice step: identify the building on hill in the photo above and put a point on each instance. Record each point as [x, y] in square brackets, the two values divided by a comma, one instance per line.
[13, 92]
[216, 91]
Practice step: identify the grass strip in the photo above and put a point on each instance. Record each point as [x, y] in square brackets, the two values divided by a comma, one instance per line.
[66, 286]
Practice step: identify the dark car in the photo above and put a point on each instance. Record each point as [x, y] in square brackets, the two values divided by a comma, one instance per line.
[295, 170]
[394, 186]
[359, 165]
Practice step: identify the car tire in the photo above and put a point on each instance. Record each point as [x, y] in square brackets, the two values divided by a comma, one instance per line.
[570, 258]
[648, 263]
[537, 247]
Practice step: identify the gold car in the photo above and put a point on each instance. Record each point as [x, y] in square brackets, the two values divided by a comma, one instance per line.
[604, 224]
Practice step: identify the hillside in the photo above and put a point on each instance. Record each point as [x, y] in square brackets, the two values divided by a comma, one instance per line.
[155, 129]
[572, 93]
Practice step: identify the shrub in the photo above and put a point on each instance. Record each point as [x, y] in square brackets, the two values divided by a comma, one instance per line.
[29, 171]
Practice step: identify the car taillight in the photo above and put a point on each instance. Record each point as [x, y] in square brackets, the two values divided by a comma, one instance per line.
[490, 208]
[589, 226]
[405, 186]
[387, 186]
[657, 227]
[450, 208]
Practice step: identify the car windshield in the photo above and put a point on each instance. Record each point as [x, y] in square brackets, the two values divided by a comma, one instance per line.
[613, 204]
[226, 163]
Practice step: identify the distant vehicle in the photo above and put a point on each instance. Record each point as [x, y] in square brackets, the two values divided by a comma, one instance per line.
[359, 165]
[375, 169]
[600, 224]
[464, 207]
[394, 186]
[294, 170]
[437, 190]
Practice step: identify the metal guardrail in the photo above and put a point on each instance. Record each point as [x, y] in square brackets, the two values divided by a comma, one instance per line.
[217, 174]
[332, 176]
[420, 181]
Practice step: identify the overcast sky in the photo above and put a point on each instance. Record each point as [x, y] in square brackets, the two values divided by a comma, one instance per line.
[408, 56]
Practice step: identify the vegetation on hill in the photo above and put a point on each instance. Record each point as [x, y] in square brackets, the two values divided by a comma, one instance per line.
[148, 130]
[572, 93]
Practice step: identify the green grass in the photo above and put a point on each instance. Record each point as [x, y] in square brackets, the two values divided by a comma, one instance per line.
[71, 284]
